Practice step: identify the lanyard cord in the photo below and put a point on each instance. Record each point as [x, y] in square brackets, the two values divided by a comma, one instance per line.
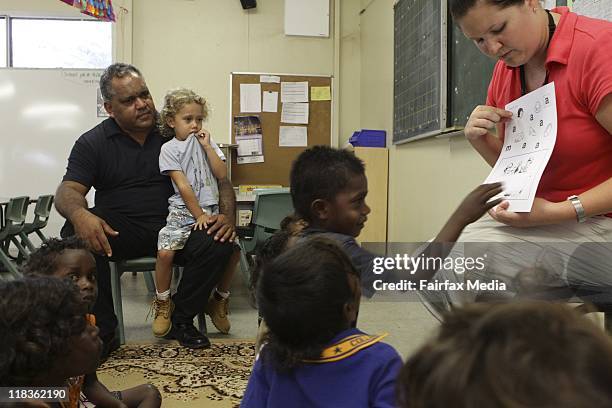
[551, 31]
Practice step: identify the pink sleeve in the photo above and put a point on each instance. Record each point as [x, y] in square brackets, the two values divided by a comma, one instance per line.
[596, 81]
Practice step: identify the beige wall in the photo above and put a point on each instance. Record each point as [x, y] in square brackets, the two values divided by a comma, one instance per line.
[198, 43]
[427, 178]
[349, 70]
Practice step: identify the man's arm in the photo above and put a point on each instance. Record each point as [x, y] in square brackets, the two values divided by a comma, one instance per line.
[70, 202]
[70, 198]
[224, 224]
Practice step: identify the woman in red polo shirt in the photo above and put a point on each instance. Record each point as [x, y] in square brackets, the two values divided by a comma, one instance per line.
[535, 46]
[574, 52]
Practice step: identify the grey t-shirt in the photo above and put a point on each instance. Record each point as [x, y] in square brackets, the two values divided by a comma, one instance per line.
[189, 157]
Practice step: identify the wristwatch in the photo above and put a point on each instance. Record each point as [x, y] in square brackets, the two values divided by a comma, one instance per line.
[580, 214]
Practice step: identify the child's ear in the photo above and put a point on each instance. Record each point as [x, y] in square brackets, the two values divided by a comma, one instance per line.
[351, 309]
[170, 122]
[320, 209]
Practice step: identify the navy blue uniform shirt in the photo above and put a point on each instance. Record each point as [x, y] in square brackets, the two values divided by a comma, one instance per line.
[364, 379]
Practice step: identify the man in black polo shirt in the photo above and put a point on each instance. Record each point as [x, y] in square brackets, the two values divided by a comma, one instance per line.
[120, 159]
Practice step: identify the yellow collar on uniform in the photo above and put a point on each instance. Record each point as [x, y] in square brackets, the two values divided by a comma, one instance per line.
[347, 347]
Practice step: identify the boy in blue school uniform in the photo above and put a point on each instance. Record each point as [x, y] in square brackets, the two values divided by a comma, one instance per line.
[329, 189]
[314, 357]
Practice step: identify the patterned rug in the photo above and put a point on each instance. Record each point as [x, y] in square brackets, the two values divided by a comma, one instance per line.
[215, 377]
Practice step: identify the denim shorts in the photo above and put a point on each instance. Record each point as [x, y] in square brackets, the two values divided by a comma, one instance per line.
[179, 225]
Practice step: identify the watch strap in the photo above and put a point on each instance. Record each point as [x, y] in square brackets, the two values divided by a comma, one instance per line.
[580, 214]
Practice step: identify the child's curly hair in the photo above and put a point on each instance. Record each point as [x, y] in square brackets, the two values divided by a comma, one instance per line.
[301, 295]
[38, 315]
[173, 102]
[43, 260]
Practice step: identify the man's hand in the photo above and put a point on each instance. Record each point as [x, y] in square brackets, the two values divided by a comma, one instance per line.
[94, 231]
[223, 228]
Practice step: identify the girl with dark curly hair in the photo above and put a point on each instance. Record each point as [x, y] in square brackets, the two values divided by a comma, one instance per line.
[309, 297]
[70, 259]
[44, 336]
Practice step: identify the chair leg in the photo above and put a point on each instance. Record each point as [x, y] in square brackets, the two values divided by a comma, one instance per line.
[25, 240]
[149, 281]
[116, 290]
[245, 267]
[10, 266]
[41, 236]
[23, 252]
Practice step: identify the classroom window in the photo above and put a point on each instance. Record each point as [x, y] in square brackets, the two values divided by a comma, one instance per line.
[56, 43]
[3, 42]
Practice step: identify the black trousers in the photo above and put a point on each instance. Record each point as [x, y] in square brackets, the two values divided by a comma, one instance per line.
[203, 258]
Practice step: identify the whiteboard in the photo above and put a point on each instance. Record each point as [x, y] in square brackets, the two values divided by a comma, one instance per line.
[42, 113]
[307, 18]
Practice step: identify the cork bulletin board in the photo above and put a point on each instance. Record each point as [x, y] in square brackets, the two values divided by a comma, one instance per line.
[277, 160]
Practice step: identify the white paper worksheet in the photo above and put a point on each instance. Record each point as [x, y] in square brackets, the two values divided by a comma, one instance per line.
[294, 91]
[529, 140]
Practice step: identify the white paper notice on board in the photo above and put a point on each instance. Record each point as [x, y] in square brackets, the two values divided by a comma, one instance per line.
[249, 159]
[250, 98]
[274, 79]
[250, 145]
[295, 113]
[293, 136]
[270, 101]
[294, 91]
[529, 139]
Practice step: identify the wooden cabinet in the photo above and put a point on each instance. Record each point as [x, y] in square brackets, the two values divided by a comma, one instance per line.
[376, 161]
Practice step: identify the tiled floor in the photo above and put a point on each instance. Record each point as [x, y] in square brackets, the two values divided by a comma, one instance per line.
[408, 323]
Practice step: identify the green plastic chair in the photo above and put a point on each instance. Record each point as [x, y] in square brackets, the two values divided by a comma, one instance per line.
[13, 222]
[271, 206]
[145, 265]
[41, 217]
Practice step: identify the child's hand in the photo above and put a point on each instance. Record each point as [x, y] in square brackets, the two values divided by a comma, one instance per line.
[201, 222]
[477, 203]
[204, 137]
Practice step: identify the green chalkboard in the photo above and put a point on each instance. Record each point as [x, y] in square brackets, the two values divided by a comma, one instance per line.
[469, 76]
[417, 69]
